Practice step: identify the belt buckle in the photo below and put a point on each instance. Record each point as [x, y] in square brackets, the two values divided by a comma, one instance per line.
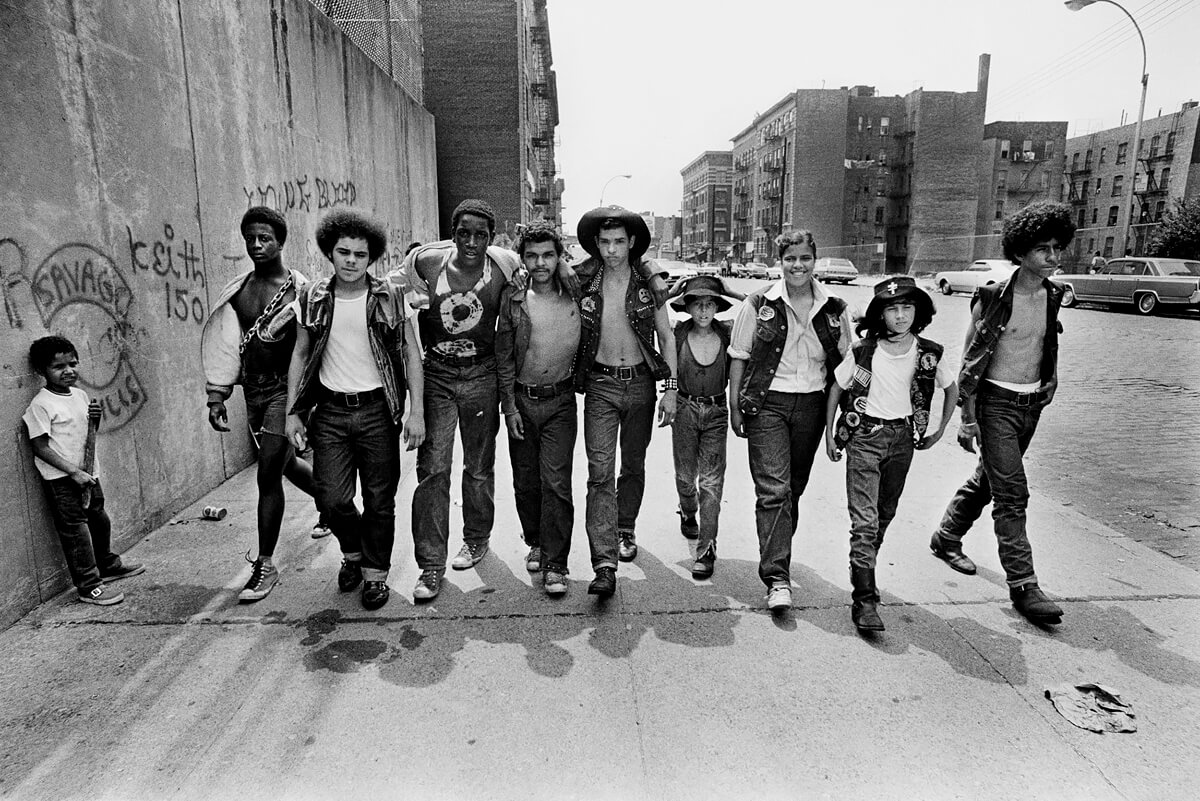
[352, 400]
[530, 391]
[626, 373]
[1026, 399]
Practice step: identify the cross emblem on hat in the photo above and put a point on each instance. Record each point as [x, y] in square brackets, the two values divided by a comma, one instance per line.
[891, 288]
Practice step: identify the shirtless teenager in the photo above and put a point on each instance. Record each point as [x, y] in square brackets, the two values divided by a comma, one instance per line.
[248, 339]
[536, 338]
[1009, 374]
[616, 366]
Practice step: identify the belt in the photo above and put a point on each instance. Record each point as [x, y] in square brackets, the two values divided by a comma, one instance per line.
[706, 400]
[353, 400]
[543, 391]
[623, 373]
[456, 361]
[1035, 398]
[868, 420]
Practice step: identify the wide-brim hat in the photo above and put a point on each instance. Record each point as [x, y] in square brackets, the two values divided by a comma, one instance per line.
[701, 286]
[898, 287]
[589, 228]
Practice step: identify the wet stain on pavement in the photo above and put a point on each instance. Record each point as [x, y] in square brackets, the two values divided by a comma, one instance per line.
[410, 638]
[345, 656]
[320, 624]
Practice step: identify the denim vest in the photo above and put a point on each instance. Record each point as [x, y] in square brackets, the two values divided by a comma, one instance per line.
[854, 399]
[639, 308]
[385, 332]
[995, 311]
[769, 335]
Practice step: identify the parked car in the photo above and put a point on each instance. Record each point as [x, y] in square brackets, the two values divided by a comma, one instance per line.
[775, 272]
[980, 273]
[1144, 282]
[676, 269]
[708, 268]
[830, 269]
[755, 269]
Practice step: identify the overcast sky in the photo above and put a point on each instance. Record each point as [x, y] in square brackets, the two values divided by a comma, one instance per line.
[645, 86]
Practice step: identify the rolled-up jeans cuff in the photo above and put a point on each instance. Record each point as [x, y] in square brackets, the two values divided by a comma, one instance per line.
[613, 565]
[352, 557]
[374, 574]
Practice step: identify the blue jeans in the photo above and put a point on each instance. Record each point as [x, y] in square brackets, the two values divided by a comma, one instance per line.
[615, 412]
[468, 399]
[782, 440]
[698, 438]
[877, 462]
[359, 445]
[1005, 430]
[85, 534]
[541, 465]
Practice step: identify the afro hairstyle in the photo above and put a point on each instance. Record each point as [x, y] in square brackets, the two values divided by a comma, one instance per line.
[1035, 223]
[263, 214]
[346, 221]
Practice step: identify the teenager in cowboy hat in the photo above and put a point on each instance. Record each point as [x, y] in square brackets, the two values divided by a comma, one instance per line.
[886, 386]
[616, 366]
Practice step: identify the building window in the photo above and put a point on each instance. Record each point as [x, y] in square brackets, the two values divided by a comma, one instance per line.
[1081, 219]
[1170, 148]
[1005, 146]
[1108, 247]
[1049, 149]
[1098, 182]
[1159, 208]
[1112, 214]
[860, 121]
[1095, 209]
[1002, 179]
[1103, 150]
[1118, 184]
[1074, 161]
[1027, 146]
[1122, 151]
[1154, 140]
[1087, 160]
[884, 123]
[1000, 210]
[1044, 180]
[1164, 179]
[879, 215]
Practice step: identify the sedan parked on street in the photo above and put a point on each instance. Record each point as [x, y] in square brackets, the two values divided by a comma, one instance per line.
[980, 273]
[830, 269]
[755, 269]
[1146, 282]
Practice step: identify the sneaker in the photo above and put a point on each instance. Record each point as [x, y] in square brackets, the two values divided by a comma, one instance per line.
[605, 582]
[375, 594]
[124, 571]
[101, 595]
[779, 597]
[626, 546]
[263, 579]
[350, 575]
[321, 530]
[689, 527]
[555, 583]
[469, 555]
[533, 560]
[428, 585]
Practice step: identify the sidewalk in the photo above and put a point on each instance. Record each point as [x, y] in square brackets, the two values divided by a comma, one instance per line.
[674, 689]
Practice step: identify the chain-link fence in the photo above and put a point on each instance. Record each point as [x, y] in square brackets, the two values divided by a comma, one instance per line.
[388, 31]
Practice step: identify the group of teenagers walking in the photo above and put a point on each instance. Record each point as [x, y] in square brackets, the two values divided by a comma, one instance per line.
[465, 333]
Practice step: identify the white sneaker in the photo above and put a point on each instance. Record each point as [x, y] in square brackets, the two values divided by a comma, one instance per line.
[779, 597]
[533, 560]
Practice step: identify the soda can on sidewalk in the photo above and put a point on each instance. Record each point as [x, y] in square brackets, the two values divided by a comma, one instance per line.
[214, 513]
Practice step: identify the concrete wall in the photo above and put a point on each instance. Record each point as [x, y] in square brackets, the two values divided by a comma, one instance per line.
[134, 135]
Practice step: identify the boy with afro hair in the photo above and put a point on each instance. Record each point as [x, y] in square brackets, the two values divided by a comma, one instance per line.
[1009, 374]
[355, 353]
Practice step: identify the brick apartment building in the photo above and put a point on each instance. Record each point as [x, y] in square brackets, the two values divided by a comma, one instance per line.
[891, 182]
[1100, 168]
[707, 186]
[496, 107]
[1020, 162]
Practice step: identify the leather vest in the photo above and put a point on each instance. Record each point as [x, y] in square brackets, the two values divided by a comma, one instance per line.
[769, 335]
[921, 389]
[639, 308]
[996, 309]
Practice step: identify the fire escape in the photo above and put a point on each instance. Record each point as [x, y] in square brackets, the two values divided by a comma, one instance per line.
[543, 117]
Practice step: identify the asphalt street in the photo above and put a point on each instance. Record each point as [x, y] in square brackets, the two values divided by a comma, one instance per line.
[672, 689]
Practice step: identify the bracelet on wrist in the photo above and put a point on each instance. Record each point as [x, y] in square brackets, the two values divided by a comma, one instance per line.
[669, 384]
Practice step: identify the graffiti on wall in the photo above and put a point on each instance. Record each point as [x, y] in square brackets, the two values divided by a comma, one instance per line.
[304, 193]
[171, 260]
[78, 288]
[12, 275]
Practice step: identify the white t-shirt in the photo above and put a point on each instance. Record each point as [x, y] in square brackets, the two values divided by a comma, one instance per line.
[347, 364]
[64, 418]
[888, 397]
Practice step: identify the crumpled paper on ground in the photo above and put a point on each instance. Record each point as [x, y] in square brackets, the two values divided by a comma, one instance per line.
[1093, 707]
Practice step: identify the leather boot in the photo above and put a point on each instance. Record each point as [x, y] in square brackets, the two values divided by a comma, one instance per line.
[1030, 601]
[864, 597]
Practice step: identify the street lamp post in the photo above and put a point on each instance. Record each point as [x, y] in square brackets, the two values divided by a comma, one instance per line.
[609, 181]
[1077, 5]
